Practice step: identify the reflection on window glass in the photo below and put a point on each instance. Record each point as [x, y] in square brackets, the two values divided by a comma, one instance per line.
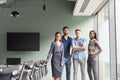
[103, 15]
[103, 33]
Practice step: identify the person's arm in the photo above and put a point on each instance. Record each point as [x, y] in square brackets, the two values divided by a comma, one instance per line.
[83, 47]
[62, 60]
[71, 51]
[88, 50]
[50, 52]
[99, 47]
[71, 54]
[73, 45]
[76, 48]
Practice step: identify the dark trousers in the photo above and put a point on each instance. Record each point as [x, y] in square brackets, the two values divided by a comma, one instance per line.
[92, 68]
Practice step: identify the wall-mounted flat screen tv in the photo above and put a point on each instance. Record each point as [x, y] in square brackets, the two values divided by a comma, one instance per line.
[23, 41]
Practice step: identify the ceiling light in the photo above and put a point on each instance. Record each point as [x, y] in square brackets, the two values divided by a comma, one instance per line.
[44, 5]
[15, 14]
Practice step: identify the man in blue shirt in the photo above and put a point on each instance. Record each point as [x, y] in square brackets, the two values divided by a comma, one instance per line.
[67, 42]
[79, 46]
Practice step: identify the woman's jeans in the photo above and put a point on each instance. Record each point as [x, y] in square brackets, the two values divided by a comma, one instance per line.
[92, 67]
[76, 63]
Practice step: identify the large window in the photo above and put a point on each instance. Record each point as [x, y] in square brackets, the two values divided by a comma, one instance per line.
[118, 36]
[103, 33]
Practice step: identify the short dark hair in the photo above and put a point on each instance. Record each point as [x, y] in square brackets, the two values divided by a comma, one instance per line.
[65, 27]
[77, 30]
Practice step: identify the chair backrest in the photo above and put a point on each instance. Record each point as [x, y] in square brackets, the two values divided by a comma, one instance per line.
[13, 61]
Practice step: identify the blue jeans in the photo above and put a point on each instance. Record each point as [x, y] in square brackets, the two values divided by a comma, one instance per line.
[67, 63]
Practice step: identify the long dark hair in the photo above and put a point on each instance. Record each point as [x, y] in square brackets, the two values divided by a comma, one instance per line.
[56, 35]
[94, 34]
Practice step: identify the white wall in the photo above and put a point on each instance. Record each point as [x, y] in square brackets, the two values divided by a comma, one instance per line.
[118, 29]
[118, 36]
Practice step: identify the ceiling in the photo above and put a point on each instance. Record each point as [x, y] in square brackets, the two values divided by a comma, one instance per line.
[81, 8]
[87, 7]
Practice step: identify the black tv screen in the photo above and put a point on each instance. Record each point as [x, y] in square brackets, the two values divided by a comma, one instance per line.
[19, 41]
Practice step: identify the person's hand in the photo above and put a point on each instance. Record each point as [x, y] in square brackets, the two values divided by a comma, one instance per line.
[94, 55]
[46, 60]
[73, 50]
[61, 64]
[70, 57]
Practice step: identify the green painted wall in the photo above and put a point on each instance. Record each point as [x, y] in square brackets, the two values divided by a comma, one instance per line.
[33, 19]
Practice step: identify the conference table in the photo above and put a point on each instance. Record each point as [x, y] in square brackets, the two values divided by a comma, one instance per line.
[6, 72]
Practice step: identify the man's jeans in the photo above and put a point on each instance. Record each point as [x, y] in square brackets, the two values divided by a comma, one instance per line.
[67, 63]
[76, 63]
[92, 67]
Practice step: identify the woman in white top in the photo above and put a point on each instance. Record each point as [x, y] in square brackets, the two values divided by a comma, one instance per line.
[94, 50]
